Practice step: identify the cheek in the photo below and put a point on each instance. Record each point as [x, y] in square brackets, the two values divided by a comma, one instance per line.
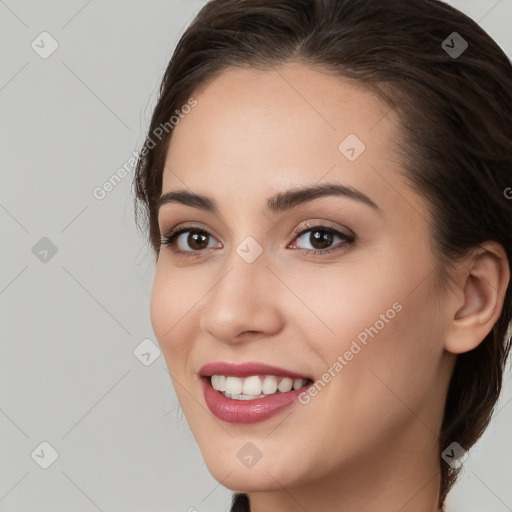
[379, 315]
[415, 342]
[397, 367]
[339, 303]
[389, 375]
[172, 310]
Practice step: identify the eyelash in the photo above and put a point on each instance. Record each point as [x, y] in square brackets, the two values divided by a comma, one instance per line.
[169, 239]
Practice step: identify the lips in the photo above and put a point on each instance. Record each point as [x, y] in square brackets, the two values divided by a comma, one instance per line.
[247, 370]
[247, 411]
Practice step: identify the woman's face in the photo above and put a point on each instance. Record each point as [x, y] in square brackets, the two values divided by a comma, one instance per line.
[360, 318]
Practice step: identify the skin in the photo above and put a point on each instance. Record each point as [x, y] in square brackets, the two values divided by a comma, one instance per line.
[368, 440]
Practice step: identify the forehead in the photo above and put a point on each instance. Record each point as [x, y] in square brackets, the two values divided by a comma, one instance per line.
[272, 105]
[255, 130]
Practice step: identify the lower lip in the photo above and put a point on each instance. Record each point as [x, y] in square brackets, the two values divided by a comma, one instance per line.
[247, 411]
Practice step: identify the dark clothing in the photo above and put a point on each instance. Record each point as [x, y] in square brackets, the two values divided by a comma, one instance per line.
[240, 503]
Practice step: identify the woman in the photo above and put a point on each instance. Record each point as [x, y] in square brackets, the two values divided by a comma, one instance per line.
[325, 187]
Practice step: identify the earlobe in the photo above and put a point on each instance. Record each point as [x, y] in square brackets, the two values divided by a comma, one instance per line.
[486, 279]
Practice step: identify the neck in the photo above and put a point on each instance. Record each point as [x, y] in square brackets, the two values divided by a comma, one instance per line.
[404, 476]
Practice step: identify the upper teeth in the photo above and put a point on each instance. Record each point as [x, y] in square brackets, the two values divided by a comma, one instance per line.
[255, 386]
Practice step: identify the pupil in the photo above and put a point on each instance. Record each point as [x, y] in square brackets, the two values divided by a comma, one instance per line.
[193, 240]
[324, 239]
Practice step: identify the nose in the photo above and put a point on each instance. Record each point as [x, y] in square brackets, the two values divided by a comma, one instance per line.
[244, 302]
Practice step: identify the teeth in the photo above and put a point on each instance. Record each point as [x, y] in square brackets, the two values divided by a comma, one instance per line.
[255, 386]
[269, 385]
[233, 385]
[252, 386]
[285, 385]
[242, 397]
[298, 383]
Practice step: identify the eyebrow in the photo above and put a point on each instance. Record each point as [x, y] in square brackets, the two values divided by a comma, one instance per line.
[279, 202]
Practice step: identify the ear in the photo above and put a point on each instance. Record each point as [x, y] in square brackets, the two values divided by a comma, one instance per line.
[480, 291]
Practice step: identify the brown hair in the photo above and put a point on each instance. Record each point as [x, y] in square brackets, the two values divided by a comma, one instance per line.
[456, 115]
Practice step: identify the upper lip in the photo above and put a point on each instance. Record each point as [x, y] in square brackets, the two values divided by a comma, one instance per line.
[247, 370]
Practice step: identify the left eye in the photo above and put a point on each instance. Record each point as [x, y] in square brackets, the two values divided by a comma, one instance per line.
[322, 237]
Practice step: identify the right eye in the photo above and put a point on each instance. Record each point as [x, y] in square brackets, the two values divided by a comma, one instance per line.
[192, 236]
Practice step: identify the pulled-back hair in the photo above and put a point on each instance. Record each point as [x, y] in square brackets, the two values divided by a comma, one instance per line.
[455, 114]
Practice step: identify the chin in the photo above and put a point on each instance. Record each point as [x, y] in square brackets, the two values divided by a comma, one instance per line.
[235, 476]
[250, 482]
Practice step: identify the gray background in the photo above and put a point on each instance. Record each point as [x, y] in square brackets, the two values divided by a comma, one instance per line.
[72, 320]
